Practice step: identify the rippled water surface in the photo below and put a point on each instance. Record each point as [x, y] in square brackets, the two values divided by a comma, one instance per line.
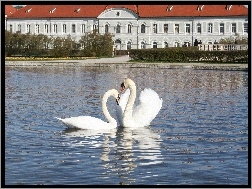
[199, 137]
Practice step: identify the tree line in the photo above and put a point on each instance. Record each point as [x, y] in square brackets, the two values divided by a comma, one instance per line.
[91, 44]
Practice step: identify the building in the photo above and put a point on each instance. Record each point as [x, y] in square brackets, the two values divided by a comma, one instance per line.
[134, 26]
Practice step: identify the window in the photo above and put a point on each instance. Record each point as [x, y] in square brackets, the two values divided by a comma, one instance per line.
[28, 28]
[83, 28]
[233, 29]
[222, 28]
[64, 28]
[36, 28]
[46, 28]
[165, 28]
[143, 45]
[165, 44]
[198, 28]
[187, 28]
[55, 29]
[210, 28]
[73, 28]
[154, 45]
[11, 28]
[142, 28]
[176, 28]
[154, 28]
[128, 45]
[129, 28]
[94, 27]
[118, 28]
[106, 28]
[245, 27]
[19, 27]
[176, 44]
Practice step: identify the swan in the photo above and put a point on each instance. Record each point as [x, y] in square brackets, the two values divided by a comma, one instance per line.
[88, 122]
[145, 112]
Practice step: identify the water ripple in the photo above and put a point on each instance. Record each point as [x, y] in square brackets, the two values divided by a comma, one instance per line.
[199, 136]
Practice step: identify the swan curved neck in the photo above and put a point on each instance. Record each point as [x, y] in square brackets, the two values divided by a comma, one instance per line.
[129, 107]
[105, 109]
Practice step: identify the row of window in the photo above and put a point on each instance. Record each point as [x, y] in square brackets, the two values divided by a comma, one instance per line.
[143, 44]
[54, 28]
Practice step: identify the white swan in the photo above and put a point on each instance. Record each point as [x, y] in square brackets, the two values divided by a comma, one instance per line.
[145, 112]
[88, 122]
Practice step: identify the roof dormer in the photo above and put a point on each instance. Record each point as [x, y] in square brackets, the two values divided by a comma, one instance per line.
[169, 8]
[228, 7]
[77, 10]
[28, 10]
[200, 7]
[51, 11]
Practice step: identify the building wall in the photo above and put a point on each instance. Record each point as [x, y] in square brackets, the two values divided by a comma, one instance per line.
[125, 17]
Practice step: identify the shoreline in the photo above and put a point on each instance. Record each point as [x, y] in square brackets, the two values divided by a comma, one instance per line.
[123, 61]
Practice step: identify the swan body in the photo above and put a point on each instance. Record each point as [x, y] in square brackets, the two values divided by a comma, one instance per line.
[88, 122]
[145, 112]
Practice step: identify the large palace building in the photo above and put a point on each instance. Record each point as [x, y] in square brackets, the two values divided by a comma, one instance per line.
[133, 26]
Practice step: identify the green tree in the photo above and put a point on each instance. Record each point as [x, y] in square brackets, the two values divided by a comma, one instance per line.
[234, 40]
[95, 44]
[62, 47]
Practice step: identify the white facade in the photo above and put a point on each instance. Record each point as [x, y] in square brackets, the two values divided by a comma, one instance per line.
[130, 31]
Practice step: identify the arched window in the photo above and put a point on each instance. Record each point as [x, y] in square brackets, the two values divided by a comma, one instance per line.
[129, 28]
[118, 28]
[118, 44]
[165, 44]
[154, 45]
[142, 28]
[128, 45]
[106, 28]
[143, 45]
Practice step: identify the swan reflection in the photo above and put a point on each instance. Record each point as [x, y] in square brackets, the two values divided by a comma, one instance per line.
[134, 147]
[123, 150]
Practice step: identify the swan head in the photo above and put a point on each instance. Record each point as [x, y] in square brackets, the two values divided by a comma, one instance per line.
[126, 83]
[114, 93]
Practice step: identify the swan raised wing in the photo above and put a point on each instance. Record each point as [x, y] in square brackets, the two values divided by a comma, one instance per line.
[145, 112]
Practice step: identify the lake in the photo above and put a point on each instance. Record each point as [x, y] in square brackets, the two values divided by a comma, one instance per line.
[199, 137]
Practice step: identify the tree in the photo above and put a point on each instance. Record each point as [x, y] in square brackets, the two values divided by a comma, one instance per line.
[62, 47]
[95, 44]
[234, 40]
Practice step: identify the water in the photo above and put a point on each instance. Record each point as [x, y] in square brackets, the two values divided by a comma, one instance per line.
[199, 137]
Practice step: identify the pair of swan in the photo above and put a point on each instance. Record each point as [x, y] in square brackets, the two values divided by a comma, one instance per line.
[127, 114]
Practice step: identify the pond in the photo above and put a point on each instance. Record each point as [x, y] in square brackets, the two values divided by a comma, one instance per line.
[199, 137]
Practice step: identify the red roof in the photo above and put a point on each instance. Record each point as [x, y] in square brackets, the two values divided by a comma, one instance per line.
[191, 10]
[77, 11]
[9, 10]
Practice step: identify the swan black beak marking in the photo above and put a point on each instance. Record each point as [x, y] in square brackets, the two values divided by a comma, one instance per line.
[122, 87]
[117, 100]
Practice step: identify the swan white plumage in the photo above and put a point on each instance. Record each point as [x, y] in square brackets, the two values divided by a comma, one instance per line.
[145, 112]
[88, 122]
[122, 104]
